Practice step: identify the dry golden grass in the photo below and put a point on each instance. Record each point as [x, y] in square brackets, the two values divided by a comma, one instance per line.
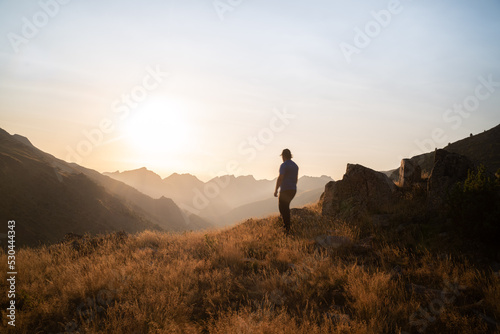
[250, 278]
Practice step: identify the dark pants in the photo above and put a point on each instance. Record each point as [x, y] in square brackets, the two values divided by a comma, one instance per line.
[285, 198]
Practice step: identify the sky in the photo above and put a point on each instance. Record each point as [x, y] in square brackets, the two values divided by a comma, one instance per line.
[221, 87]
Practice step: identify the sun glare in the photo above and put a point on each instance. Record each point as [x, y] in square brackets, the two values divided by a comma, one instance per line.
[159, 126]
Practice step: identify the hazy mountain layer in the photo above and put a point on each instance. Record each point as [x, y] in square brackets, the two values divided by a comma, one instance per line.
[49, 198]
[225, 199]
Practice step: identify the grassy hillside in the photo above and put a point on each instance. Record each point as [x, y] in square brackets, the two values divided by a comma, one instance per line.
[331, 276]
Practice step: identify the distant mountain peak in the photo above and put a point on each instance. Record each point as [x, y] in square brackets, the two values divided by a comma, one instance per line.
[181, 176]
[142, 170]
[316, 177]
[246, 177]
[233, 177]
[138, 175]
[23, 140]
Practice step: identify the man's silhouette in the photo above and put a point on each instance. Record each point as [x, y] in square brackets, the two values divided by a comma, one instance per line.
[287, 183]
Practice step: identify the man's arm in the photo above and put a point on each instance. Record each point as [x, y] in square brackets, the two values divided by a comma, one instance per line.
[278, 184]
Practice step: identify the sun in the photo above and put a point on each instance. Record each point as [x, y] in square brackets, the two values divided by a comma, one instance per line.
[158, 126]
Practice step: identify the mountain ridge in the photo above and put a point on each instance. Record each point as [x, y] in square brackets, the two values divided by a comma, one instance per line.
[482, 148]
[37, 188]
[223, 199]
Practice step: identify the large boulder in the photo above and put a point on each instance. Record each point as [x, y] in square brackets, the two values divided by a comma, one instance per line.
[449, 168]
[361, 189]
[409, 173]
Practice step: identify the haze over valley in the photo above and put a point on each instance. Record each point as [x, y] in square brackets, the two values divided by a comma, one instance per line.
[224, 199]
[253, 167]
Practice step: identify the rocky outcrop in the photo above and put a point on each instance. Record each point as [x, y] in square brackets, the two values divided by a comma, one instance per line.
[449, 168]
[409, 173]
[361, 189]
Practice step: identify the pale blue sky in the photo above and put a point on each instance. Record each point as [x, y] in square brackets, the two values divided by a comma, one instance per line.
[227, 76]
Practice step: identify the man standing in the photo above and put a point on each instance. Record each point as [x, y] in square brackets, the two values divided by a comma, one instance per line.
[287, 182]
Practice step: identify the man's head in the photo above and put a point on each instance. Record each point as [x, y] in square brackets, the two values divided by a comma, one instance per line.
[286, 154]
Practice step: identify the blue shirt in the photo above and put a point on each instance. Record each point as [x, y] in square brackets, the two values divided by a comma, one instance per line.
[290, 172]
